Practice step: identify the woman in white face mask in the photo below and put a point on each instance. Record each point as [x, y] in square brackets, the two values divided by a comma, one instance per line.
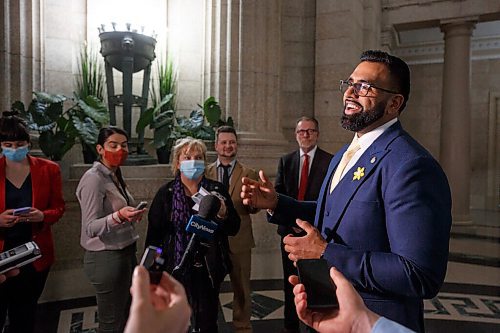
[34, 184]
[168, 216]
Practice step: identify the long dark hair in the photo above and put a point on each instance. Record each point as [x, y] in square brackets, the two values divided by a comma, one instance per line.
[104, 134]
[13, 128]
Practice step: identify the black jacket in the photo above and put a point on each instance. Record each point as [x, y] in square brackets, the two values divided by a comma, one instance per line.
[287, 178]
[161, 230]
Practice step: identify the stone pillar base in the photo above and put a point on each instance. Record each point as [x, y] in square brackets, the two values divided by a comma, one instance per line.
[462, 220]
[467, 229]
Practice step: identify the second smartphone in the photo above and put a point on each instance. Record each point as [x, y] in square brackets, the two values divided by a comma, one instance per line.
[314, 274]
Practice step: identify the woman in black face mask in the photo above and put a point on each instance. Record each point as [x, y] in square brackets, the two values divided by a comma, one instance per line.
[34, 184]
[108, 232]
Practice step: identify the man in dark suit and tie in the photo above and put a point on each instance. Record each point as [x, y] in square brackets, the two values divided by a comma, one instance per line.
[383, 216]
[300, 175]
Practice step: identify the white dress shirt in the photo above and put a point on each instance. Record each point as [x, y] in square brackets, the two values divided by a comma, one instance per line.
[366, 141]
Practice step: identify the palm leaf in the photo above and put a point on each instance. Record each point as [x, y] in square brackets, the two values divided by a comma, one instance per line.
[146, 119]
[87, 130]
[152, 116]
[47, 98]
[161, 137]
[212, 111]
[55, 145]
[94, 108]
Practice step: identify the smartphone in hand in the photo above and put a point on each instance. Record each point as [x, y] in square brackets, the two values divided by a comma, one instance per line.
[153, 261]
[142, 205]
[314, 274]
[21, 211]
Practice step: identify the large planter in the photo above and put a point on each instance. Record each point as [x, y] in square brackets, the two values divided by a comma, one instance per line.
[163, 155]
[89, 154]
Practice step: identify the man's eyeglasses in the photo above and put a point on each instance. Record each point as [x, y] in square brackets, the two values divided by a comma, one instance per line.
[361, 88]
[308, 131]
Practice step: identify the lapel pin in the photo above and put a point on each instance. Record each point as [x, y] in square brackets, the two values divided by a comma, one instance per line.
[358, 173]
[373, 160]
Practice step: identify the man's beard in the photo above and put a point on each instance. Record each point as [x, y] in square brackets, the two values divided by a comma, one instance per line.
[361, 120]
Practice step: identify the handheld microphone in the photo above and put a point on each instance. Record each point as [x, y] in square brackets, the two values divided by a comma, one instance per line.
[203, 229]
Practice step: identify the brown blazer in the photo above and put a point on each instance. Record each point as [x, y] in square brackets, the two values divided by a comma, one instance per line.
[243, 240]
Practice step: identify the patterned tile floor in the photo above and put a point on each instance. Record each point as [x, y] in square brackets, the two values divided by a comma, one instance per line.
[457, 308]
[469, 300]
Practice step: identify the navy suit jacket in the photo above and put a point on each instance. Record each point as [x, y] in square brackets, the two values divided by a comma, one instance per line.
[287, 178]
[388, 231]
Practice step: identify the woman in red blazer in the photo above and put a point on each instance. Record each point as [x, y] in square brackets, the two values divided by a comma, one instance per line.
[26, 181]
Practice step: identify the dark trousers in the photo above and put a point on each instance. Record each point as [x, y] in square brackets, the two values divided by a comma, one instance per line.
[19, 298]
[291, 318]
[204, 300]
[110, 272]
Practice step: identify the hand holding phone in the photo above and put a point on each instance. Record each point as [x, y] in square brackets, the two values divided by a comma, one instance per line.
[141, 205]
[153, 262]
[320, 289]
[19, 256]
[21, 211]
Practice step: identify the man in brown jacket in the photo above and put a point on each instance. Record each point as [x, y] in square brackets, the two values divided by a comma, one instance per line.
[229, 172]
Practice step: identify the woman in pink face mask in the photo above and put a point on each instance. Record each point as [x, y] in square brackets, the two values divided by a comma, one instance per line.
[108, 232]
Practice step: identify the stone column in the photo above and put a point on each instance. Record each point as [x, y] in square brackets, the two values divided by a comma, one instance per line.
[20, 56]
[341, 28]
[242, 70]
[455, 115]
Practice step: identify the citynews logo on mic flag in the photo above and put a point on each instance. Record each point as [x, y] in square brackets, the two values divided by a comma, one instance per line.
[201, 227]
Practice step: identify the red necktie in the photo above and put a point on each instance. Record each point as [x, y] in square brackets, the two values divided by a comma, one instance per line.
[303, 178]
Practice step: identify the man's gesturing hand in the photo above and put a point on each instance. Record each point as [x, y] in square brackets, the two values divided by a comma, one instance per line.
[259, 194]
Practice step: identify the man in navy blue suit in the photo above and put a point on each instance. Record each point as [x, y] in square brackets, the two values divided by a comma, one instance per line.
[383, 215]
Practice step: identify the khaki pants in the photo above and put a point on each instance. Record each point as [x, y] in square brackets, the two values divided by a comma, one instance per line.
[240, 281]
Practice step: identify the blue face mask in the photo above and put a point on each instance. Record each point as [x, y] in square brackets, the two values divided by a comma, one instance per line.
[192, 169]
[15, 155]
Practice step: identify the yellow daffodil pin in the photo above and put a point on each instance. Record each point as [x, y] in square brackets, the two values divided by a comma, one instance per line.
[359, 173]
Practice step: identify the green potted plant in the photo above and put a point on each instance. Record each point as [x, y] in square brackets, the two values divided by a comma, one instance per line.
[162, 123]
[195, 125]
[213, 113]
[59, 129]
[90, 82]
[161, 116]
